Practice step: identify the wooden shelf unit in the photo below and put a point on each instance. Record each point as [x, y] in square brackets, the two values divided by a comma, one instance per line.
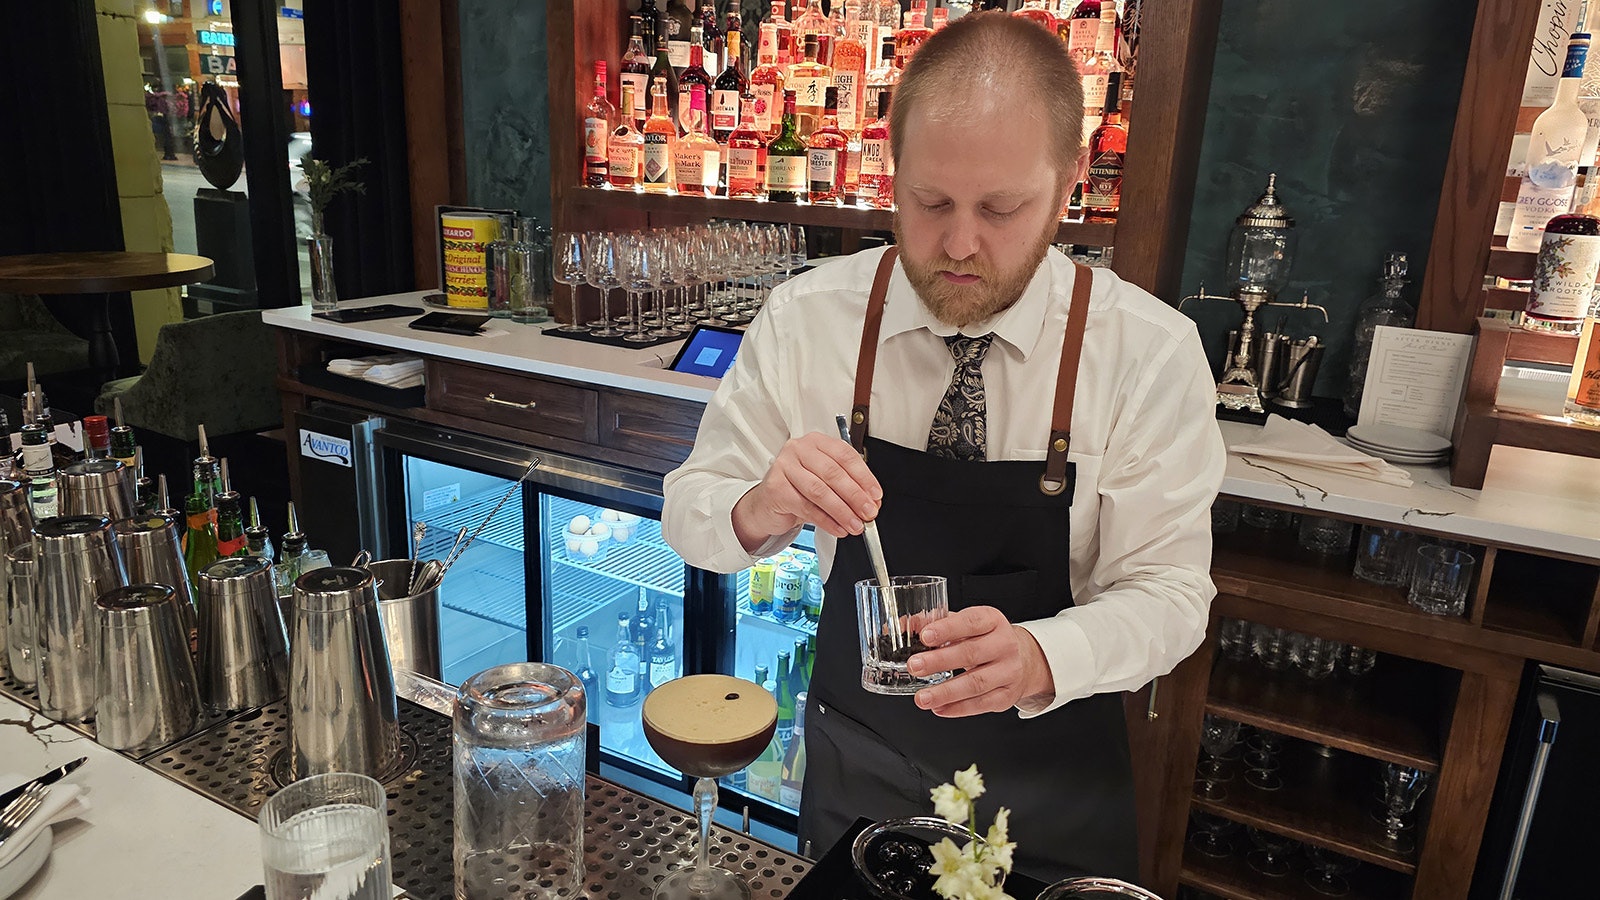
[1232, 877]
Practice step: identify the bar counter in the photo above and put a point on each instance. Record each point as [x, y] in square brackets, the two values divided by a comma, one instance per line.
[179, 822]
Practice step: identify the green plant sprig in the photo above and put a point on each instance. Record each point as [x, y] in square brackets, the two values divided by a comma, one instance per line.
[325, 182]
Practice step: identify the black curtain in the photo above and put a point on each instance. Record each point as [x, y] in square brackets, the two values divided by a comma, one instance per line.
[353, 67]
[59, 190]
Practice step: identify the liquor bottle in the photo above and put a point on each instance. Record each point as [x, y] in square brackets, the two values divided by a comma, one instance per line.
[96, 437]
[663, 651]
[794, 761]
[1108, 145]
[40, 469]
[1553, 150]
[123, 441]
[622, 669]
[1583, 389]
[693, 76]
[810, 22]
[764, 678]
[258, 539]
[883, 77]
[625, 150]
[585, 672]
[1097, 71]
[663, 74]
[697, 158]
[635, 71]
[200, 539]
[783, 34]
[766, 83]
[798, 682]
[825, 155]
[809, 81]
[1034, 11]
[1564, 274]
[786, 160]
[599, 120]
[231, 537]
[652, 22]
[1082, 28]
[734, 24]
[730, 87]
[912, 34]
[291, 555]
[641, 631]
[1383, 308]
[711, 37]
[660, 136]
[941, 17]
[877, 162]
[811, 658]
[850, 72]
[785, 700]
[765, 778]
[679, 20]
[747, 156]
[886, 15]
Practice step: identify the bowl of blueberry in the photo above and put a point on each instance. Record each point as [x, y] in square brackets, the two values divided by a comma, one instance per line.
[892, 857]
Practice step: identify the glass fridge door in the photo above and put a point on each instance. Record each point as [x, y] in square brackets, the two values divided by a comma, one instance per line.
[483, 618]
[613, 592]
[779, 602]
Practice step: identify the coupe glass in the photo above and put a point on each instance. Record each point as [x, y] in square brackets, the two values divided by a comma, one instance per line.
[604, 271]
[1261, 760]
[1217, 737]
[708, 726]
[1271, 848]
[1402, 786]
[571, 269]
[1208, 834]
[1327, 870]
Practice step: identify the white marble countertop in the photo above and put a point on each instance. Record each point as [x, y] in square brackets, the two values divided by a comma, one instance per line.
[145, 835]
[508, 345]
[1530, 498]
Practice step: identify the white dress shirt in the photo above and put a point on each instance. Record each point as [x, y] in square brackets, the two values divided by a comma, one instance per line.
[1145, 443]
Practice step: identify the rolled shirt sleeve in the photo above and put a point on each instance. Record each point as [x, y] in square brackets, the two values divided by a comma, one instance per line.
[1149, 588]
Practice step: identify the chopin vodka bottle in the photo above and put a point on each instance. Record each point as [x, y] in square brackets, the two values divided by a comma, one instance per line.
[1554, 149]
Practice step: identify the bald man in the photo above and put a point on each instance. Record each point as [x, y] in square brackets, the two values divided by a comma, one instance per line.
[1040, 434]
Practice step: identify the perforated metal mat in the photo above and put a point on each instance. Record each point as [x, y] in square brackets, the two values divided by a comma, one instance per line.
[630, 842]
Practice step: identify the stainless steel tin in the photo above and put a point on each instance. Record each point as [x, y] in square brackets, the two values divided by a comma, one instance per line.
[16, 527]
[146, 692]
[1303, 359]
[342, 710]
[97, 487]
[152, 553]
[21, 611]
[78, 562]
[410, 621]
[243, 659]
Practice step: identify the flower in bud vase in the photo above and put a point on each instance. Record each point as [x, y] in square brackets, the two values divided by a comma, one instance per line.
[323, 183]
[978, 870]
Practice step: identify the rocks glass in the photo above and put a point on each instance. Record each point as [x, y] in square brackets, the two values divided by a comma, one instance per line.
[327, 836]
[890, 628]
[1320, 534]
[519, 740]
[1441, 578]
[1383, 555]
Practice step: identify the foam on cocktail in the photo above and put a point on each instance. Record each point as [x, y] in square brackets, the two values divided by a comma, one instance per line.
[709, 725]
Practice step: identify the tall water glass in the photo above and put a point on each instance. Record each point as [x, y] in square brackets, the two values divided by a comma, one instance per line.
[519, 741]
[327, 838]
[570, 267]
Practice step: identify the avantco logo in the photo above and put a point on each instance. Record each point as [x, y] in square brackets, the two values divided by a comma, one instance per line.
[328, 449]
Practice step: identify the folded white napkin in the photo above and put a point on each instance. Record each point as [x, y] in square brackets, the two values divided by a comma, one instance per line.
[1285, 440]
[65, 801]
[356, 366]
[401, 374]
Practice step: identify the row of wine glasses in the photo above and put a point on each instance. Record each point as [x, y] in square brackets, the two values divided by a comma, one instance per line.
[1280, 650]
[1219, 738]
[718, 274]
[1271, 854]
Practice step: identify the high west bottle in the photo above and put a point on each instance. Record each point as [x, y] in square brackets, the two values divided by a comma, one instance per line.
[1554, 149]
[599, 120]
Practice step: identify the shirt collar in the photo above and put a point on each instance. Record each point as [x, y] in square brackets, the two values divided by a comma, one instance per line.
[1018, 326]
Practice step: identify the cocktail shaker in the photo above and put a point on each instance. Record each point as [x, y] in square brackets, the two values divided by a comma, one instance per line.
[16, 528]
[146, 695]
[97, 487]
[152, 553]
[78, 562]
[243, 659]
[342, 711]
[410, 620]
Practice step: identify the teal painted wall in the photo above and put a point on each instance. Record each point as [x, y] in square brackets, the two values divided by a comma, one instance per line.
[505, 105]
[1352, 104]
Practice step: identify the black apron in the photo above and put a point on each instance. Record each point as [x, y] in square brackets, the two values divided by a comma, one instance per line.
[999, 532]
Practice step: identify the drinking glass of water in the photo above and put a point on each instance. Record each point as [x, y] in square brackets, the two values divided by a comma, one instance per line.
[327, 837]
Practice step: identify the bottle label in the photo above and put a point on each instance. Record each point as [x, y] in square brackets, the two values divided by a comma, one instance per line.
[847, 83]
[725, 110]
[623, 159]
[622, 679]
[1564, 275]
[657, 159]
[1103, 187]
[678, 53]
[786, 173]
[875, 157]
[637, 79]
[1094, 91]
[595, 134]
[764, 107]
[697, 168]
[36, 460]
[852, 165]
[1588, 376]
[232, 546]
[789, 794]
[822, 168]
[1576, 54]
[743, 164]
[1535, 206]
[763, 783]
[808, 91]
[786, 732]
[1091, 121]
[662, 669]
[1081, 34]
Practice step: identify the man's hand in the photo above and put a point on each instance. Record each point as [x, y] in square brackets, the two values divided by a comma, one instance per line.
[816, 479]
[1003, 664]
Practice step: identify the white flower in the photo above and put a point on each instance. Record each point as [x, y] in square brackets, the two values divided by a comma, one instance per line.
[951, 804]
[970, 782]
[997, 831]
[958, 875]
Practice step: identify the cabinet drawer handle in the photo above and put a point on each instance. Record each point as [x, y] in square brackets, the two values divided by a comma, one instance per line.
[514, 405]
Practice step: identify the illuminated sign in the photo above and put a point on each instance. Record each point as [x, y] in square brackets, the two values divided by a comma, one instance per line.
[290, 12]
[215, 38]
[216, 7]
[219, 65]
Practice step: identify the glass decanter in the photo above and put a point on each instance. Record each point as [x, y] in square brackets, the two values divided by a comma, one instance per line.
[1383, 308]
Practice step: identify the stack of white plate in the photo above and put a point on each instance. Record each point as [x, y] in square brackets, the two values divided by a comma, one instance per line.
[1401, 446]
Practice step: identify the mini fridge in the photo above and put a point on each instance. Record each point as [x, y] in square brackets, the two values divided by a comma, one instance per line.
[570, 568]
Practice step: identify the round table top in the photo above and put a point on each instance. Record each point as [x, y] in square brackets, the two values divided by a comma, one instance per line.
[100, 272]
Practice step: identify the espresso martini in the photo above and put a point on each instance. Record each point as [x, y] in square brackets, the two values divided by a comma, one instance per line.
[708, 726]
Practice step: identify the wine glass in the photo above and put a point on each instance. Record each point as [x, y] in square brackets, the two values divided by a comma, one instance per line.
[1217, 737]
[798, 254]
[604, 272]
[571, 269]
[1208, 834]
[1402, 787]
[708, 726]
[1271, 848]
[638, 275]
[1327, 871]
[1261, 760]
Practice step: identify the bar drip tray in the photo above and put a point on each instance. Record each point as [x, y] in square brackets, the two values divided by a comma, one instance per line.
[630, 841]
[401, 762]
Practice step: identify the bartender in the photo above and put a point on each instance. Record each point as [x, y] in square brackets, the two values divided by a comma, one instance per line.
[1039, 433]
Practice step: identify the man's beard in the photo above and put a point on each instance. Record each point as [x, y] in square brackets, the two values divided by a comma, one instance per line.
[962, 304]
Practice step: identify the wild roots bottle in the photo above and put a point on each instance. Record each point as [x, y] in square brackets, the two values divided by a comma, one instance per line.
[1564, 275]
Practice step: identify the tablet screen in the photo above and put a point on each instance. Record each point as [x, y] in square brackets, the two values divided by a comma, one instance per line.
[709, 351]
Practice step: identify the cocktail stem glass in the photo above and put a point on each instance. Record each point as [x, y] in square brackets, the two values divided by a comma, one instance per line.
[705, 808]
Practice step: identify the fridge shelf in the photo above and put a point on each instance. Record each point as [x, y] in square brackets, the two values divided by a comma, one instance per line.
[802, 625]
[504, 530]
[644, 561]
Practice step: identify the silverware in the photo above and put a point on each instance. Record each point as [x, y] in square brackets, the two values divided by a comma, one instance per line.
[880, 566]
[21, 810]
[419, 529]
[50, 777]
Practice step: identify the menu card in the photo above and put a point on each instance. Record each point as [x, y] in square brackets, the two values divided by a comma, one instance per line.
[1414, 379]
